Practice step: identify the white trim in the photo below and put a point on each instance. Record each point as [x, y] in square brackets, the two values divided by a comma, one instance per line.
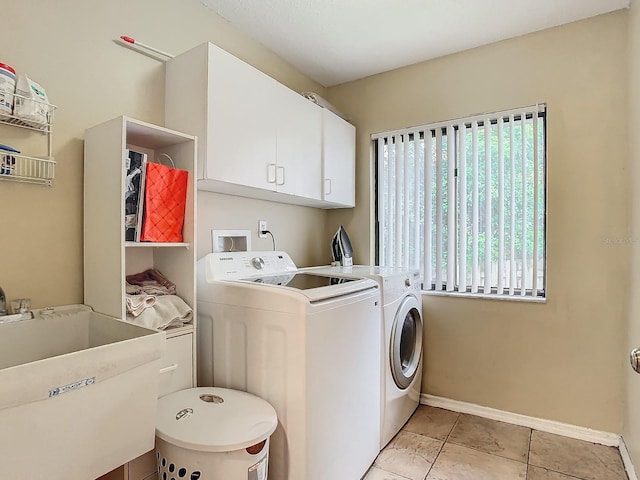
[549, 426]
[626, 460]
[492, 296]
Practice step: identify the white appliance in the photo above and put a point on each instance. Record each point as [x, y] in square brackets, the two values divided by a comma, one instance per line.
[309, 344]
[401, 377]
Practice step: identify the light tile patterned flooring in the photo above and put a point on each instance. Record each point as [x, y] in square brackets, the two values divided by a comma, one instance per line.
[438, 444]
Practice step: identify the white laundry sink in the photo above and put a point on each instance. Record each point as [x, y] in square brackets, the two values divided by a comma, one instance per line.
[78, 393]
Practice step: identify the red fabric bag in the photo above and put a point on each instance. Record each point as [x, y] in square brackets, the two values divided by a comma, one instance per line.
[165, 198]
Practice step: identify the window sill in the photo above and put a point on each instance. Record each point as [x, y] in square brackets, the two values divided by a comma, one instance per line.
[507, 298]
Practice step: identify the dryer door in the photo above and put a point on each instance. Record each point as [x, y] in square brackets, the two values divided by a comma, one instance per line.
[406, 342]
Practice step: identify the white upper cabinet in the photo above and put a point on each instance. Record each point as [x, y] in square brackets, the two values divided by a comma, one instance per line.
[256, 137]
[238, 131]
[339, 160]
[299, 146]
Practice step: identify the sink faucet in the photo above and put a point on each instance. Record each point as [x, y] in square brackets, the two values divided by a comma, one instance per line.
[3, 303]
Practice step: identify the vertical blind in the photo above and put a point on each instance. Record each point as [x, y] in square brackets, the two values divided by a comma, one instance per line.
[464, 202]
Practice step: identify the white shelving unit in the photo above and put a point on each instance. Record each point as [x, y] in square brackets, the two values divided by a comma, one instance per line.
[28, 169]
[108, 258]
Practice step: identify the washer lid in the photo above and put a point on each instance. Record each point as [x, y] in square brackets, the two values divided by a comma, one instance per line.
[210, 419]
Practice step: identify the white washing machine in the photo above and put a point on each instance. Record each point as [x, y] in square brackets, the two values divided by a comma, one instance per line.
[304, 342]
[401, 377]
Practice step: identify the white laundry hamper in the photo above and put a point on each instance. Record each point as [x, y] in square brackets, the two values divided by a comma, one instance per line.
[212, 433]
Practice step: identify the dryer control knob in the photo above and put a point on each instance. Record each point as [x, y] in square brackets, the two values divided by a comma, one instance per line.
[257, 262]
[407, 282]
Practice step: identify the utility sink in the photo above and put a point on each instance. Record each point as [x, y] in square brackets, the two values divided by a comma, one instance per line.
[78, 393]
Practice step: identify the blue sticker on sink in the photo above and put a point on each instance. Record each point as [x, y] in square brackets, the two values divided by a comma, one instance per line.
[71, 386]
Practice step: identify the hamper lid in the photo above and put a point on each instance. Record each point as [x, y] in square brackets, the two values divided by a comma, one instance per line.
[212, 419]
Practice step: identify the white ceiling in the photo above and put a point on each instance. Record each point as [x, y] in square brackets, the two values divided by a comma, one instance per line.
[335, 41]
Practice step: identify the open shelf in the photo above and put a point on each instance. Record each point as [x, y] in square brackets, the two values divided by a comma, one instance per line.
[176, 331]
[156, 244]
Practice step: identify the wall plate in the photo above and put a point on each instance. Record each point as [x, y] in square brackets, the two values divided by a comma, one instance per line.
[230, 240]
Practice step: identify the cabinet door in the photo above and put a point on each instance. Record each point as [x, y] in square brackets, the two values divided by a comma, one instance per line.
[241, 132]
[176, 367]
[339, 159]
[299, 145]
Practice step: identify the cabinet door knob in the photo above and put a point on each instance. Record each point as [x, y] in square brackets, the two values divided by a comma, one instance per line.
[327, 186]
[280, 179]
[169, 368]
[271, 172]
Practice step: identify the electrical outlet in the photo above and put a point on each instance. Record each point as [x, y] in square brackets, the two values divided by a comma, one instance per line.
[262, 226]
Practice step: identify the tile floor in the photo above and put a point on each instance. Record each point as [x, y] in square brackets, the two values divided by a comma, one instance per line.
[438, 444]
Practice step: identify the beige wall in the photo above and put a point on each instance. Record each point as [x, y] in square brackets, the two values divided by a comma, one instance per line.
[298, 231]
[562, 360]
[68, 47]
[631, 431]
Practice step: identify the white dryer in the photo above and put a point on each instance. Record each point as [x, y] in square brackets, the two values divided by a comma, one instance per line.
[401, 348]
[302, 341]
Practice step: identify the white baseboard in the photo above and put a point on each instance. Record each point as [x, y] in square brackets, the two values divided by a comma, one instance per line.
[626, 459]
[549, 426]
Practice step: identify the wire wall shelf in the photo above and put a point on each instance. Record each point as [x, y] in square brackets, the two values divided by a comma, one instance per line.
[29, 113]
[20, 168]
[33, 115]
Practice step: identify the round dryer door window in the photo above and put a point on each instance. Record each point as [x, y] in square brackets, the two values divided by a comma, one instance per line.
[405, 347]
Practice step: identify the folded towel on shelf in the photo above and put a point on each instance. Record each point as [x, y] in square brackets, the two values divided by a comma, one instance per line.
[168, 311]
[152, 290]
[151, 282]
[136, 304]
[133, 289]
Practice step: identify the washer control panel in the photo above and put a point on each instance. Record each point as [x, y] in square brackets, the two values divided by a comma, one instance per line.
[228, 265]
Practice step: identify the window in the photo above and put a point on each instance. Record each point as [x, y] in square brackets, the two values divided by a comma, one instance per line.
[464, 201]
